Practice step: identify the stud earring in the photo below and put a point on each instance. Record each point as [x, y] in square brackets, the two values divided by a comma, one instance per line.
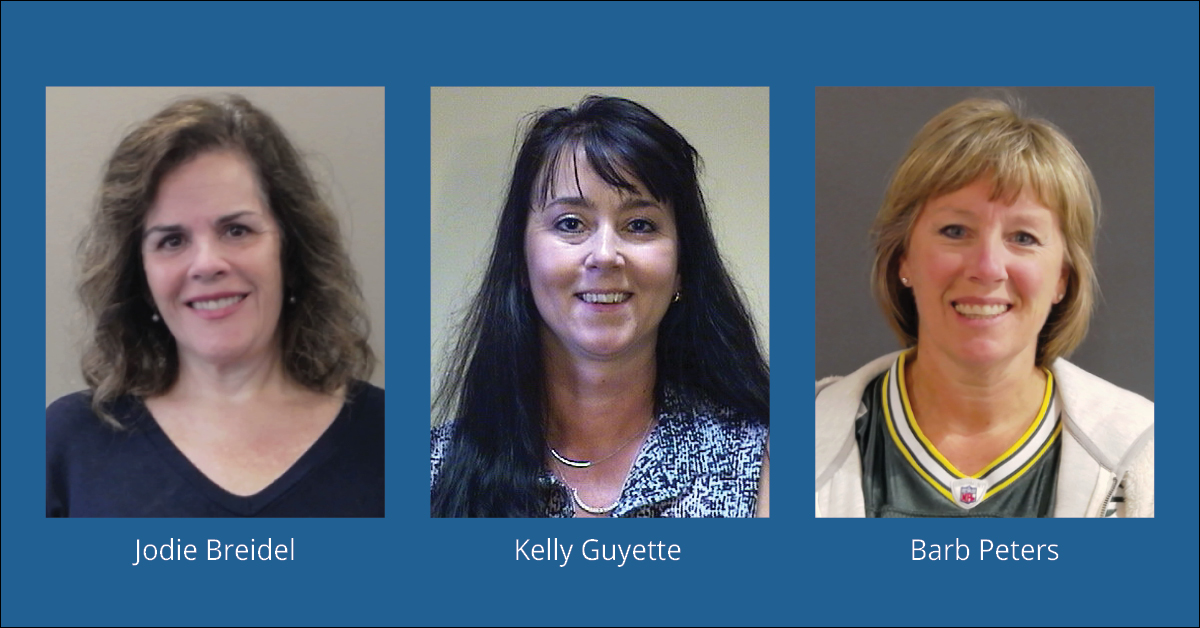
[154, 317]
[904, 280]
[678, 296]
[292, 299]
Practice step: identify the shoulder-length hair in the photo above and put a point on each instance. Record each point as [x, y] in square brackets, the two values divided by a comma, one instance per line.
[493, 387]
[980, 138]
[323, 332]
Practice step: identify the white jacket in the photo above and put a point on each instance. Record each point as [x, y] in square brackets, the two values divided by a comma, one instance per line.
[1108, 438]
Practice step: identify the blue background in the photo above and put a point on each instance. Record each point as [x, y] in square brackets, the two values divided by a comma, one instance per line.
[409, 569]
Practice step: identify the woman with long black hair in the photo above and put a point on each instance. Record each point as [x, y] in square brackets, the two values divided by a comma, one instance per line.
[607, 365]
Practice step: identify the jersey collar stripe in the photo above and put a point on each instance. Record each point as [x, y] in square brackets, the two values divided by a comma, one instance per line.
[891, 425]
[1015, 465]
[1014, 477]
[1038, 423]
[939, 472]
[954, 473]
[905, 433]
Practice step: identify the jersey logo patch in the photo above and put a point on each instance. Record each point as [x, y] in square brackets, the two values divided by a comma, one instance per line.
[968, 492]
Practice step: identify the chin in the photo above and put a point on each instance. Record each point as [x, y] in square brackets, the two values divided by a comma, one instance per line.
[223, 352]
[984, 354]
[606, 347]
[603, 351]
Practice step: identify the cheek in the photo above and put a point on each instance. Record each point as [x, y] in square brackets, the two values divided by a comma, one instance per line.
[268, 262]
[670, 273]
[550, 265]
[537, 274]
[943, 266]
[162, 279]
[660, 265]
[542, 285]
[1035, 280]
[931, 272]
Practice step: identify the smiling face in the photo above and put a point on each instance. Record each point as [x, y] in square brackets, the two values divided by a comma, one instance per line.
[602, 263]
[211, 252]
[984, 275]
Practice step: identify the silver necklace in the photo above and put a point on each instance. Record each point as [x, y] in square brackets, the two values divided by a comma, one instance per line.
[583, 464]
[602, 510]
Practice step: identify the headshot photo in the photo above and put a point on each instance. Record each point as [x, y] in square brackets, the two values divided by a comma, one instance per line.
[599, 302]
[985, 302]
[214, 298]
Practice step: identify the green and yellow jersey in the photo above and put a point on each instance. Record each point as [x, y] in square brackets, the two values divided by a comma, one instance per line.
[904, 475]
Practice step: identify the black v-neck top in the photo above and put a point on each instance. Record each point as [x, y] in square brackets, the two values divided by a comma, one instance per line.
[93, 470]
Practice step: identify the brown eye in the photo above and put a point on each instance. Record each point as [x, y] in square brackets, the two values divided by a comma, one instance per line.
[237, 231]
[172, 241]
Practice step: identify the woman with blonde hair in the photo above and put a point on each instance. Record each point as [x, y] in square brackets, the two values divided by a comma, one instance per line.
[984, 250]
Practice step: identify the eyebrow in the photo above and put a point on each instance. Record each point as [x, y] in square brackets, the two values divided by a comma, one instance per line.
[638, 202]
[1023, 215]
[951, 209]
[223, 220]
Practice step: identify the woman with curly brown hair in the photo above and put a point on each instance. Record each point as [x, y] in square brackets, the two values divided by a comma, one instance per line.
[228, 338]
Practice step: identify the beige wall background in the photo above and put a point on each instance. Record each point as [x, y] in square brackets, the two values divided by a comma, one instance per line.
[340, 130]
[473, 143]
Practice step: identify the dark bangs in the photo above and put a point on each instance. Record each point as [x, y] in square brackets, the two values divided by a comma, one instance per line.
[625, 144]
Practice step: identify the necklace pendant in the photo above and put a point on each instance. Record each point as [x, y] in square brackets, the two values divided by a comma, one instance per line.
[601, 510]
[578, 464]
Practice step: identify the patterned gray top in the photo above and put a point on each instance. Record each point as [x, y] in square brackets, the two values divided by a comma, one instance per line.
[701, 460]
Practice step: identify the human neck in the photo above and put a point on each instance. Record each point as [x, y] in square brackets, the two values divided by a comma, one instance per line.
[595, 406]
[235, 383]
[949, 397]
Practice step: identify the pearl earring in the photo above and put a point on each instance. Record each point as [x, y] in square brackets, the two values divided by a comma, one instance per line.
[904, 280]
[154, 317]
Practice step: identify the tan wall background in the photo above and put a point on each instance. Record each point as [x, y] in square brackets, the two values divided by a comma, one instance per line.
[473, 139]
[339, 129]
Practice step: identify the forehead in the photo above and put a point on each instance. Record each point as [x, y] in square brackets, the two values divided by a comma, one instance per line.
[209, 184]
[570, 173]
[984, 199]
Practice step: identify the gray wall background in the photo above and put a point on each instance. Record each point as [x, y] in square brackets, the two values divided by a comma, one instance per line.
[340, 130]
[861, 135]
[473, 139]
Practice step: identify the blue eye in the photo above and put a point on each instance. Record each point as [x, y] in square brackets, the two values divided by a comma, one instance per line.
[1025, 239]
[953, 231]
[569, 224]
[641, 225]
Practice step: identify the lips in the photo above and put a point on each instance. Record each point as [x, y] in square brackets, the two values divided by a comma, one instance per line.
[981, 310]
[213, 302]
[604, 298]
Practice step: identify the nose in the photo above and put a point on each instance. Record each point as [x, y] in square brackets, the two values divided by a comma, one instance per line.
[209, 262]
[605, 249]
[990, 261]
